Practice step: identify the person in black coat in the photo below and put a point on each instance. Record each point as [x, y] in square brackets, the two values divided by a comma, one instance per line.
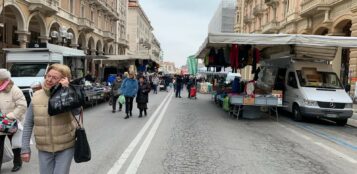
[142, 97]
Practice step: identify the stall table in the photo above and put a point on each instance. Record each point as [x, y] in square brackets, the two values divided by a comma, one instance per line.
[238, 101]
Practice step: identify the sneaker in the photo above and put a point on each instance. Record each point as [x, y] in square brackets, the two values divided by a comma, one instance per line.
[127, 116]
[16, 168]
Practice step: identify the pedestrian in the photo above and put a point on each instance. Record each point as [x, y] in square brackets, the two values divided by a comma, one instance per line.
[54, 135]
[189, 86]
[178, 86]
[142, 98]
[129, 89]
[155, 82]
[13, 104]
[115, 91]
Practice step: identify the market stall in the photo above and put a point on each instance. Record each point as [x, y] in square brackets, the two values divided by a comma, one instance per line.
[237, 51]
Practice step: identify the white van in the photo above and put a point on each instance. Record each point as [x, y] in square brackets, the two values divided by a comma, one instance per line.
[310, 89]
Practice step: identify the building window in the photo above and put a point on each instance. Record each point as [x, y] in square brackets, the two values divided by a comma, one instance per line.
[71, 6]
[92, 15]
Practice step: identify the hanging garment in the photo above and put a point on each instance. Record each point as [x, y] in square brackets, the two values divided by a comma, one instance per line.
[220, 57]
[218, 69]
[256, 59]
[243, 56]
[227, 51]
[212, 56]
[234, 54]
[256, 74]
[236, 85]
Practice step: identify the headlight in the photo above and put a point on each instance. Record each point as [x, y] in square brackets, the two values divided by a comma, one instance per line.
[348, 105]
[310, 102]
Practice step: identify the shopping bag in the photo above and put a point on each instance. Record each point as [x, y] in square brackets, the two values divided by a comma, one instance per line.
[121, 99]
[82, 152]
[65, 99]
[8, 154]
[16, 141]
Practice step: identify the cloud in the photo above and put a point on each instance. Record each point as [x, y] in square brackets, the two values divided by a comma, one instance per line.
[180, 26]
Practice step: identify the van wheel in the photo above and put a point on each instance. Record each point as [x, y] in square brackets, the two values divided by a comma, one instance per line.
[341, 122]
[297, 113]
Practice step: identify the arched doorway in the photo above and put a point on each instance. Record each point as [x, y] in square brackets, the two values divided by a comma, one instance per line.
[321, 31]
[37, 29]
[54, 33]
[82, 42]
[344, 29]
[99, 47]
[91, 46]
[111, 50]
[71, 38]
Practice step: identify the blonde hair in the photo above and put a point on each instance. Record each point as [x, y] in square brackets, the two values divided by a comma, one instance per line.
[63, 69]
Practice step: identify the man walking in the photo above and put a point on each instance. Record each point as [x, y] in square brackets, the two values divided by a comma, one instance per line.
[115, 93]
[155, 82]
[178, 86]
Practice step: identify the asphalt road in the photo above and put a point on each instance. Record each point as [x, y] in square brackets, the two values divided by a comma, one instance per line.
[196, 136]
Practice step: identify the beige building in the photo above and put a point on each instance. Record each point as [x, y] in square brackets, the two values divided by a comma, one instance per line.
[96, 26]
[168, 68]
[318, 17]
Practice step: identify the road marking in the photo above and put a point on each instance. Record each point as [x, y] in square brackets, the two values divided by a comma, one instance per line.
[135, 163]
[125, 155]
[295, 132]
[337, 153]
[330, 149]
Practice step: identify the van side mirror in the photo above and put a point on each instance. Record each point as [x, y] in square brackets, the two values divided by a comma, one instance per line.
[348, 88]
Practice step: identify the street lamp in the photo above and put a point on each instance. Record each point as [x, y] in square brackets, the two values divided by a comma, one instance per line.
[63, 35]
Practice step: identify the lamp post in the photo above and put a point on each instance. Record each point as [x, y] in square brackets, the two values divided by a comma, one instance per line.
[63, 35]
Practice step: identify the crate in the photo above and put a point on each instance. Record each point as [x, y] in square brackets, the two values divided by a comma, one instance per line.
[248, 101]
[272, 101]
[236, 99]
[260, 100]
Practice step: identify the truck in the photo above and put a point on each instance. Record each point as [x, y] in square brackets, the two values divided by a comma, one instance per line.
[310, 86]
[29, 65]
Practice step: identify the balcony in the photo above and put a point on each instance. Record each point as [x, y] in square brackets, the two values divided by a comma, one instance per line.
[108, 8]
[311, 7]
[273, 3]
[108, 36]
[46, 7]
[123, 42]
[85, 25]
[247, 19]
[247, 1]
[258, 10]
[271, 27]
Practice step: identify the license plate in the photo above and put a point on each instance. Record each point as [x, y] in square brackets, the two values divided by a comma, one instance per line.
[331, 115]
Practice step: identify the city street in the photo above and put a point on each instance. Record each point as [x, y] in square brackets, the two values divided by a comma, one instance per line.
[196, 136]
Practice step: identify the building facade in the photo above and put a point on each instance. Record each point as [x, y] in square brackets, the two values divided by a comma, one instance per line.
[317, 17]
[168, 68]
[96, 26]
[143, 45]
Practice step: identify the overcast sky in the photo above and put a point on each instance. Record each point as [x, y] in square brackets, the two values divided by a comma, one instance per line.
[180, 25]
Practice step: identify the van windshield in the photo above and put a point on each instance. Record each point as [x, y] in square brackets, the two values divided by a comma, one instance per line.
[317, 79]
[28, 70]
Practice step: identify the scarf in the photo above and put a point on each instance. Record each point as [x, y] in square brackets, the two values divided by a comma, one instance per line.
[47, 90]
[4, 85]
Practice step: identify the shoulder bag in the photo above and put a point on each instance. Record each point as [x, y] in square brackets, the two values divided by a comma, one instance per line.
[82, 152]
[8, 126]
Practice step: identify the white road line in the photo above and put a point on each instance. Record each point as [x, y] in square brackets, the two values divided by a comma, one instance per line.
[295, 132]
[125, 155]
[346, 157]
[135, 163]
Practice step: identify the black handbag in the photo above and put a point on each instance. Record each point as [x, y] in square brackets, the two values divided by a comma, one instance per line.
[64, 99]
[82, 152]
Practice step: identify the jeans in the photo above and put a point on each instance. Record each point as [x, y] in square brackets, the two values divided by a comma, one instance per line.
[114, 104]
[55, 163]
[128, 104]
[155, 88]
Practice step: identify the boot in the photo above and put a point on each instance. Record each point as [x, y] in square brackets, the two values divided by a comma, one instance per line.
[17, 160]
[141, 114]
[131, 114]
[145, 113]
[127, 116]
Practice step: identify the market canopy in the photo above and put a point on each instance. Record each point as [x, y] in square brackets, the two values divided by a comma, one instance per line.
[130, 57]
[221, 39]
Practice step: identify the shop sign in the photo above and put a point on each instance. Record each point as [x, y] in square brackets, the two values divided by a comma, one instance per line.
[354, 79]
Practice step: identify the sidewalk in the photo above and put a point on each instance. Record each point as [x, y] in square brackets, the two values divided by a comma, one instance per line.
[353, 120]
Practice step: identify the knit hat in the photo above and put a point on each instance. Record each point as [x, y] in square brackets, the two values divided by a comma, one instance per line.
[4, 74]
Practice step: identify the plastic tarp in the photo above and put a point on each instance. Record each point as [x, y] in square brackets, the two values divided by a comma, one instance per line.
[221, 39]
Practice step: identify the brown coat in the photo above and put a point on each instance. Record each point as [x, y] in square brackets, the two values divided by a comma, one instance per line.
[52, 133]
[13, 102]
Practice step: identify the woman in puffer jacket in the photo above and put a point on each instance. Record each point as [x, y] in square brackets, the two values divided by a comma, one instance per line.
[13, 105]
[129, 88]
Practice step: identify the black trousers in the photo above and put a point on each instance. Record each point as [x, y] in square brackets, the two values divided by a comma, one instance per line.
[129, 104]
[178, 91]
[17, 152]
[114, 104]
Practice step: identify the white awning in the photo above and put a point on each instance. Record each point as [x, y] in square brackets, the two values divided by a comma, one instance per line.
[64, 51]
[130, 57]
[221, 39]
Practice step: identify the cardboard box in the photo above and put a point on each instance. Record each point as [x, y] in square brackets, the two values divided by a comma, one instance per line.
[249, 101]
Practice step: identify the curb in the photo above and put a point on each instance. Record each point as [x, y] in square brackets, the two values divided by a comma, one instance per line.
[352, 122]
